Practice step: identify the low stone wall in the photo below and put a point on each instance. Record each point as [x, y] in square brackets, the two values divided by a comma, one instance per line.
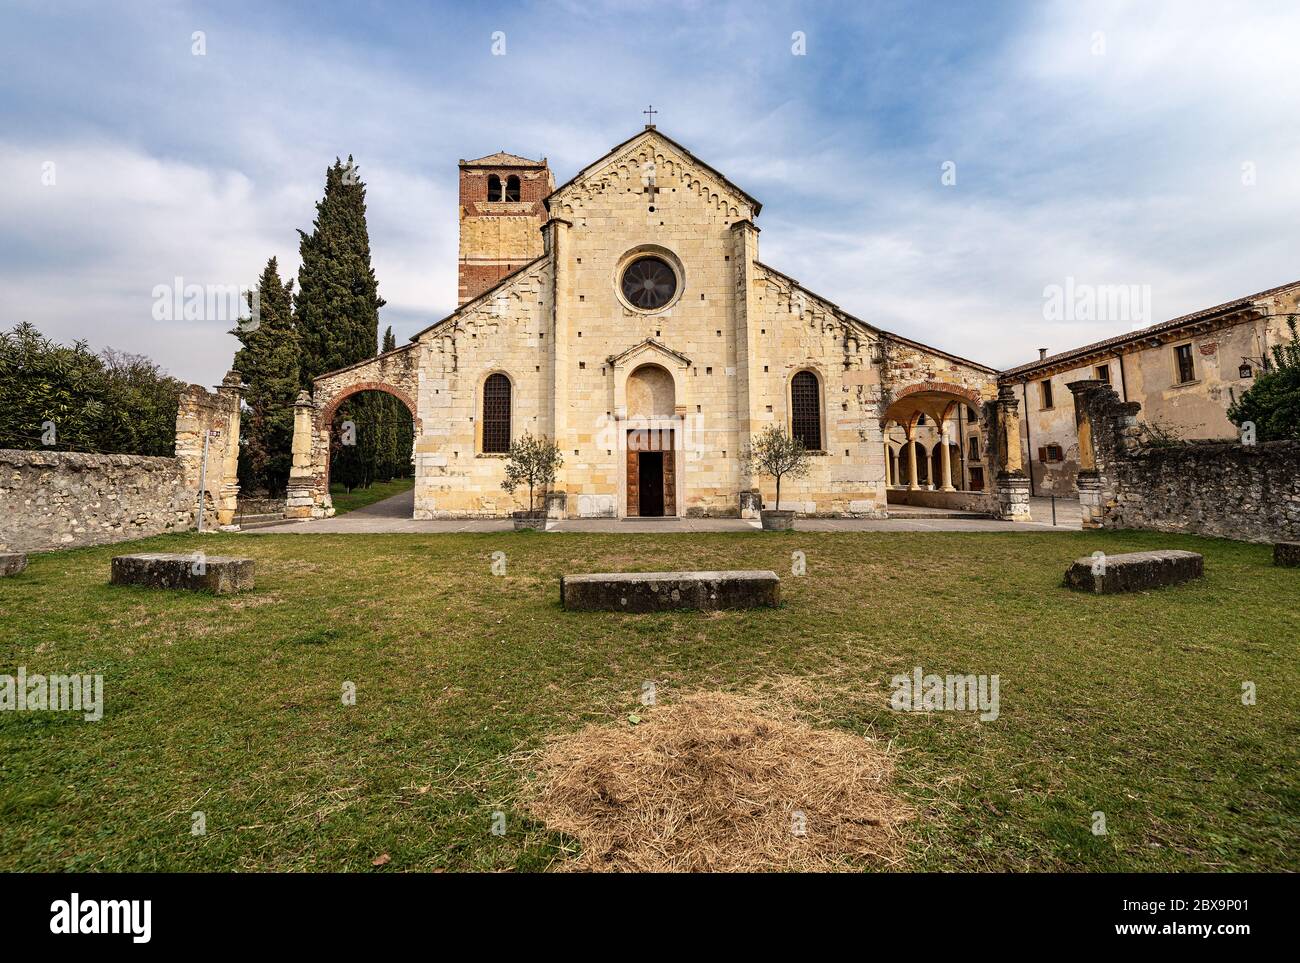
[959, 500]
[259, 506]
[1225, 489]
[64, 499]
[1248, 492]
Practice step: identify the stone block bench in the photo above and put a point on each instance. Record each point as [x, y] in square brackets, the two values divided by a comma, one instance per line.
[1134, 571]
[210, 573]
[1287, 553]
[663, 591]
[11, 563]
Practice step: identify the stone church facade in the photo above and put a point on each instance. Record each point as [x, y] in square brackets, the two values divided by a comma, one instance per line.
[628, 315]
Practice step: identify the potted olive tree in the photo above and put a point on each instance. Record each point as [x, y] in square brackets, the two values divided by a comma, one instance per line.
[532, 462]
[774, 452]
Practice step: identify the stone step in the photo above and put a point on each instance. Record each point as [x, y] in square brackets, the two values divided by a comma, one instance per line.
[259, 521]
[663, 591]
[171, 570]
[11, 563]
[1133, 571]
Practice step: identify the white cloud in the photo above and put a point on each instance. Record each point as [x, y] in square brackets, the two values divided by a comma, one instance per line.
[1124, 168]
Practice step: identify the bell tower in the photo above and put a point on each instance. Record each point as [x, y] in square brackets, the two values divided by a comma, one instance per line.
[501, 216]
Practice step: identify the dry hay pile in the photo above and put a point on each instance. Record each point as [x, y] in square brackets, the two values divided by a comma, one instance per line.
[718, 782]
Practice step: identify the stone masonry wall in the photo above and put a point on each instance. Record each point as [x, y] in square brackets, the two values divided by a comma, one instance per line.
[64, 499]
[68, 499]
[1224, 489]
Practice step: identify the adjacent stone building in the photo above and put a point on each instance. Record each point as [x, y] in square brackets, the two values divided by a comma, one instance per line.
[628, 315]
[1184, 374]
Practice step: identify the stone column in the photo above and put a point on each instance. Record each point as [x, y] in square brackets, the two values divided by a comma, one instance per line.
[302, 481]
[945, 454]
[912, 486]
[1011, 484]
[230, 391]
[1089, 480]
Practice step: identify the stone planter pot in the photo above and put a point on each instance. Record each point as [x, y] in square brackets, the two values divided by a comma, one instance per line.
[527, 520]
[777, 521]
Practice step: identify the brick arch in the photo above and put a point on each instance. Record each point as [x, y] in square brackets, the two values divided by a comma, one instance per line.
[970, 395]
[326, 416]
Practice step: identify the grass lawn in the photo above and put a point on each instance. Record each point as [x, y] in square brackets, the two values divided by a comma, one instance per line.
[1128, 705]
[345, 501]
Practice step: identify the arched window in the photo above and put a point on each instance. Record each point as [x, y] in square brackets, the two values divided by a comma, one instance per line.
[494, 188]
[512, 188]
[496, 414]
[806, 410]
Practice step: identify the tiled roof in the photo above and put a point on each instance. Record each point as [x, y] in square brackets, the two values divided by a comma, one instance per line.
[1138, 335]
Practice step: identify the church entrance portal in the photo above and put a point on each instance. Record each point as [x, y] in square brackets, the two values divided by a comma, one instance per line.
[651, 483]
[651, 473]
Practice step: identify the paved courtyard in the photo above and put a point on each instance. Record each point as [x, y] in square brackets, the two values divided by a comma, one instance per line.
[393, 515]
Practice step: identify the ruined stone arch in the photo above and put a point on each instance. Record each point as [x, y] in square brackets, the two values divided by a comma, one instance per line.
[394, 373]
[325, 417]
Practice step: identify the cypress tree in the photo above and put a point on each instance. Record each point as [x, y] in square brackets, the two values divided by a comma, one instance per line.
[388, 410]
[338, 310]
[338, 297]
[404, 425]
[268, 363]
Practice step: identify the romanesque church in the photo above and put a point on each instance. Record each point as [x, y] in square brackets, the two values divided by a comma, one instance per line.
[629, 315]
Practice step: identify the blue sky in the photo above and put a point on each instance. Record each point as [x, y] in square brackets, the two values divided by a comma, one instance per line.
[1104, 142]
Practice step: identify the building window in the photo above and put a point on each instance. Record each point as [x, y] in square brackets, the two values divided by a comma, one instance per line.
[1045, 387]
[649, 283]
[1183, 361]
[1103, 373]
[1051, 453]
[512, 188]
[494, 188]
[973, 445]
[496, 414]
[806, 410]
